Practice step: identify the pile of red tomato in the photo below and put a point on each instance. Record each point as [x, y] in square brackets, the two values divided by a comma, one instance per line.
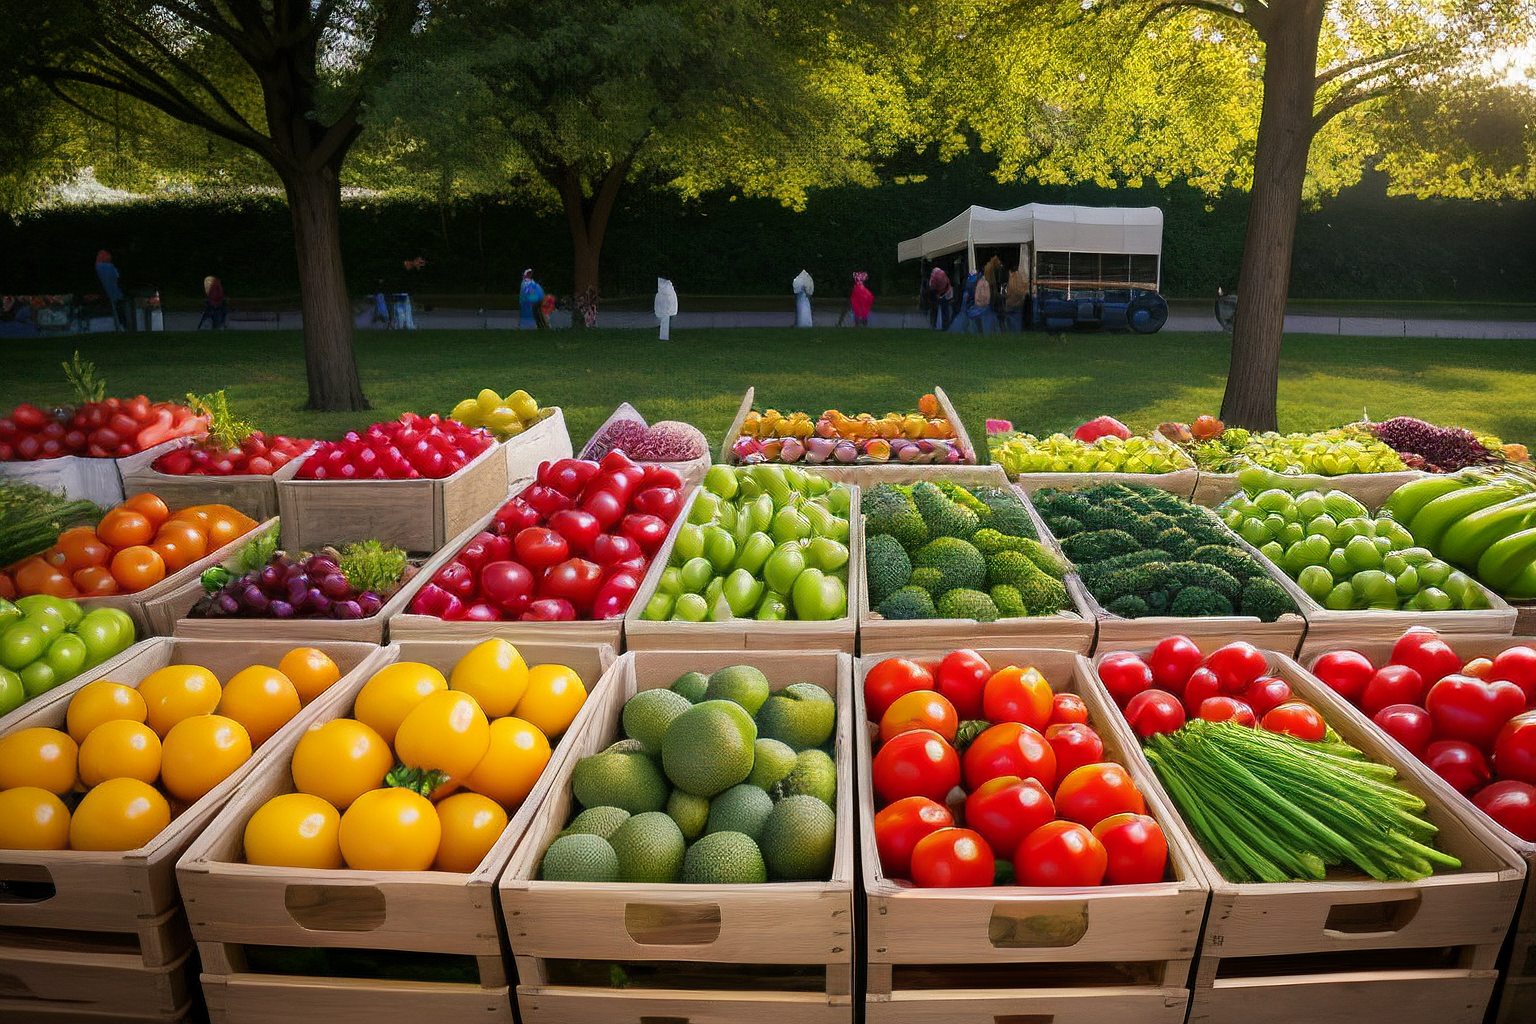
[110, 429]
[257, 455]
[1472, 723]
[976, 767]
[573, 545]
[410, 448]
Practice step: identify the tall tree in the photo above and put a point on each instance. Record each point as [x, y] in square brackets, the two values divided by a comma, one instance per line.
[286, 79]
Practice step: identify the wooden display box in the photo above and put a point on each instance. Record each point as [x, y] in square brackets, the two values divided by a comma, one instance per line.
[233, 906]
[1072, 629]
[711, 954]
[546, 441]
[1370, 489]
[1351, 949]
[111, 923]
[418, 515]
[975, 956]
[80, 478]
[691, 471]
[252, 493]
[1182, 482]
[748, 634]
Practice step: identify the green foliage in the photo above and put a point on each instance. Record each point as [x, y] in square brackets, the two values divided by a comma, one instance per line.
[1194, 602]
[1265, 599]
[371, 566]
[958, 563]
[944, 517]
[965, 603]
[890, 510]
[908, 603]
[887, 566]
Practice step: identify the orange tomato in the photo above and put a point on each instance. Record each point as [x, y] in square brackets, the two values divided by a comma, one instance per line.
[339, 761]
[514, 759]
[120, 750]
[36, 576]
[177, 692]
[102, 701]
[149, 506]
[225, 524]
[81, 549]
[310, 670]
[555, 694]
[45, 758]
[200, 752]
[138, 568]
[294, 830]
[119, 814]
[390, 830]
[393, 692]
[261, 699]
[33, 819]
[194, 514]
[447, 732]
[471, 824]
[180, 544]
[7, 586]
[94, 581]
[125, 528]
[920, 709]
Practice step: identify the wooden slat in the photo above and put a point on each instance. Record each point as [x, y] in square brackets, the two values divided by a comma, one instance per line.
[97, 982]
[562, 1005]
[1398, 997]
[259, 999]
[546, 441]
[1096, 1005]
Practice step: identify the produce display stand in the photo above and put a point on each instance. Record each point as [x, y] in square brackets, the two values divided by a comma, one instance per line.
[715, 954]
[691, 470]
[105, 933]
[150, 608]
[405, 625]
[749, 634]
[866, 474]
[232, 905]
[1071, 630]
[1517, 1003]
[1352, 949]
[1117, 953]
[1370, 489]
[254, 494]
[546, 441]
[418, 515]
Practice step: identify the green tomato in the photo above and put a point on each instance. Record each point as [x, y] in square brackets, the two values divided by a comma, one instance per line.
[1255, 532]
[719, 548]
[1417, 555]
[23, 644]
[38, 678]
[752, 554]
[696, 574]
[819, 517]
[743, 528]
[1324, 526]
[721, 481]
[1275, 500]
[743, 591]
[772, 608]
[671, 581]
[826, 554]
[691, 608]
[1341, 598]
[1464, 592]
[1375, 588]
[1407, 581]
[762, 514]
[817, 485]
[66, 656]
[1384, 545]
[1432, 599]
[726, 516]
[1394, 564]
[1361, 553]
[840, 500]
[9, 614]
[659, 607]
[1316, 581]
[103, 636]
[798, 479]
[13, 694]
[705, 507]
[1434, 573]
[1339, 565]
[818, 597]
[784, 566]
[689, 544]
[714, 591]
[1394, 532]
[1291, 533]
[790, 524]
[747, 488]
[69, 610]
[50, 620]
[1274, 552]
[1310, 505]
[1357, 526]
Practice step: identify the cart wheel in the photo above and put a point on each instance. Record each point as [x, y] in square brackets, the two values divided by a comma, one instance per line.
[1147, 313]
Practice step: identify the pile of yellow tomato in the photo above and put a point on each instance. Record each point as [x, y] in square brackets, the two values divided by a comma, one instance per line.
[424, 773]
[128, 756]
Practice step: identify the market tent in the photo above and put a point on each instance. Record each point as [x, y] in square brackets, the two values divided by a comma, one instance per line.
[1107, 229]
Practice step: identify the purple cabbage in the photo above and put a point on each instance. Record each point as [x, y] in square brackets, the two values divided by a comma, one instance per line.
[672, 441]
[1442, 449]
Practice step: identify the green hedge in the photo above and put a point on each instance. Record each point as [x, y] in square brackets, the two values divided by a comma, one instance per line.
[1359, 245]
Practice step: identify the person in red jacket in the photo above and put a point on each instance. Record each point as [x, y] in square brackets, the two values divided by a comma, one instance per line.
[862, 300]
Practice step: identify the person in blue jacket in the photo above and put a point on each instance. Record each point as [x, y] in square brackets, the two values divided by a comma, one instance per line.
[106, 271]
[528, 299]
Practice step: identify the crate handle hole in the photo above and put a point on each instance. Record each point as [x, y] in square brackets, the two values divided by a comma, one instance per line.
[663, 1020]
[672, 924]
[335, 908]
[1365, 919]
[1023, 1018]
[26, 883]
[1015, 927]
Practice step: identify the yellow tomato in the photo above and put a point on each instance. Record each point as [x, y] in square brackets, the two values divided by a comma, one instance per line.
[102, 701]
[177, 692]
[447, 732]
[471, 825]
[45, 758]
[513, 762]
[390, 830]
[340, 760]
[555, 693]
[119, 814]
[120, 749]
[33, 819]
[494, 674]
[200, 752]
[260, 698]
[392, 693]
[310, 670]
[294, 830]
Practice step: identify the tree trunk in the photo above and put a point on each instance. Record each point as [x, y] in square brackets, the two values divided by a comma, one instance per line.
[314, 198]
[588, 220]
[1279, 172]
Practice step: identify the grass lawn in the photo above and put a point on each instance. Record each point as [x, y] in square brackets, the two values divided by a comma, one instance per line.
[1040, 382]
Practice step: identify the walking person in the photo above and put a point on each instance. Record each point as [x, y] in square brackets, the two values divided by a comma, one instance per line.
[1013, 304]
[106, 272]
[862, 300]
[939, 290]
[529, 299]
[215, 305]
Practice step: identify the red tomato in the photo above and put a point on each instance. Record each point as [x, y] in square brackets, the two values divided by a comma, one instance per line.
[1461, 764]
[539, 547]
[483, 549]
[1202, 685]
[549, 609]
[509, 585]
[953, 858]
[920, 709]
[1265, 694]
[1010, 748]
[1173, 661]
[1125, 675]
[1512, 804]
[662, 502]
[898, 827]
[1227, 709]
[1518, 666]
[1423, 651]
[610, 548]
[1061, 853]
[1392, 684]
[1514, 752]
[575, 580]
[605, 505]
[515, 516]
[1470, 709]
[1345, 672]
[1236, 665]
[1153, 711]
[1409, 724]
[1296, 718]
[457, 579]
[917, 763]
[1005, 810]
[647, 531]
[1074, 744]
[579, 528]
[1015, 694]
[1095, 791]
[962, 677]
[1067, 708]
[1136, 848]
[890, 679]
[615, 596]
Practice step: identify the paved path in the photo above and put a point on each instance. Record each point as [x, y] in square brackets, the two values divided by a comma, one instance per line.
[500, 319]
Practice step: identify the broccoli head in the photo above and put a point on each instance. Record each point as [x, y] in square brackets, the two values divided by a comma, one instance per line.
[1199, 602]
[943, 517]
[958, 562]
[1202, 574]
[1233, 560]
[1176, 542]
[891, 511]
[1010, 603]
[908, 603]
[1140, 580]
[1063, 526]
[1128, 607]
[1012, 567]
[928, 580]
[1099, 544]
[886, 566]
[966, 603]
[1009, 515]
[1036, 552]
[1265, 599]
[1043, 595]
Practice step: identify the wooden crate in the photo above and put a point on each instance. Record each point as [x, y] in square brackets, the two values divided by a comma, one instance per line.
[418, 515]
[1370, 489]
[1351, 949]
[251, 493]
[1107, 953]
[129, 898]
[1070, 630]
[151, 608]
[690, 938]
[39, 985]
[690, 471]
[748, 634]
[546, 441]
[233, 906]
[69, 686]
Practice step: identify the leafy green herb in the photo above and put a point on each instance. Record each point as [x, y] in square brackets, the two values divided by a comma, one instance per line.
[32, 518]
[369, 565]
[226, 431]
[81, 374]
[215, 578]
[259, 552]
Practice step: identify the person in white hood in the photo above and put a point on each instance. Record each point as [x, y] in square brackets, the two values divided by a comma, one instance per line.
[666, 306]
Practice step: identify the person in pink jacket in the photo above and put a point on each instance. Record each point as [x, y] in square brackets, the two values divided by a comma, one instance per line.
[862, 300]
